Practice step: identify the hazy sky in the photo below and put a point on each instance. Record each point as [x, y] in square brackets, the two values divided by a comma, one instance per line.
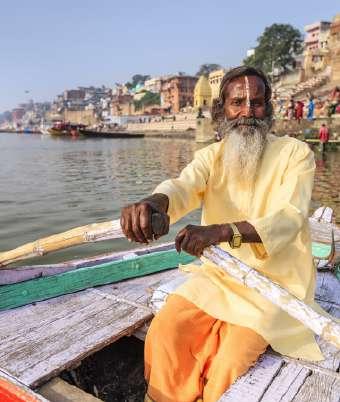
[47, 46]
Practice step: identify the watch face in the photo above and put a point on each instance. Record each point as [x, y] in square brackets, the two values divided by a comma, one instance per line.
[237, 241]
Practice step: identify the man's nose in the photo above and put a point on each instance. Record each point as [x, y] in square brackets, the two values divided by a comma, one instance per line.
[247, 110]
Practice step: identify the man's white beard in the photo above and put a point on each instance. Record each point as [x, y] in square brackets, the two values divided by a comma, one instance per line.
[242, 154]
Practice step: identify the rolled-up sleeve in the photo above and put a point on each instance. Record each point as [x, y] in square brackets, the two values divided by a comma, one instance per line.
[186, 192]
[289, 207]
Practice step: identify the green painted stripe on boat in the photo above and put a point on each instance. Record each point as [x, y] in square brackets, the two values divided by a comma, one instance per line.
[20, 294]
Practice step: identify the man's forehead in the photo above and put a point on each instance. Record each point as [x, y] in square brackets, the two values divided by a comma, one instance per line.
[249, 83]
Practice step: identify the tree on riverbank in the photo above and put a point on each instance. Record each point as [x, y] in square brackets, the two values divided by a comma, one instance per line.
[207, 68]
[137, 79]
[148, 99]
[277, 48]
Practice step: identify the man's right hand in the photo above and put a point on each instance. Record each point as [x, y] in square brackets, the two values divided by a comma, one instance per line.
[136, 219]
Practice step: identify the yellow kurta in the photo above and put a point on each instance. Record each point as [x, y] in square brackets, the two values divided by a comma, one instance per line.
[278, 209]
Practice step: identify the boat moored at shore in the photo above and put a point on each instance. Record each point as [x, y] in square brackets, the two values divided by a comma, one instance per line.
[65, 129]
[109, 134]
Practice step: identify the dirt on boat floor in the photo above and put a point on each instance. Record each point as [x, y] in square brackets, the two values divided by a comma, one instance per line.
[116, 373]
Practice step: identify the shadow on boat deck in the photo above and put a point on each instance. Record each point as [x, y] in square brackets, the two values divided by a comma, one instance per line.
[115, 373]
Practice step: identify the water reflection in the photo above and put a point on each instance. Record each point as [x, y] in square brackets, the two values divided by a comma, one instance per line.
[50, 185]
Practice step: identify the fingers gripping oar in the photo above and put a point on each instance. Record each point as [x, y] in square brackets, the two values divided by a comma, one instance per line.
[80, 235]
[327, 328]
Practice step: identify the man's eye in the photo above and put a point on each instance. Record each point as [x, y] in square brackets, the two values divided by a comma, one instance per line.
[236, 102]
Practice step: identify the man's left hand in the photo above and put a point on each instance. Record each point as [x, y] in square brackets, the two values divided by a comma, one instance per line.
[194, 239]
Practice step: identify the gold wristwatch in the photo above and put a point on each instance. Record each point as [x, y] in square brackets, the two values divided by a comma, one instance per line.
[236, 239]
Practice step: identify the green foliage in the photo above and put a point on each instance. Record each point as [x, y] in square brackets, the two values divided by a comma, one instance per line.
[276, 48]
[207, 68]
[148, 99]
[137, 79]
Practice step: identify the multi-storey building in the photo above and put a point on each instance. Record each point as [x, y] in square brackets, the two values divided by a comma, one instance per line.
[317, 35]
[122, 103]
[74, 95]
[154, 84]
[316, 48]
[177, 92]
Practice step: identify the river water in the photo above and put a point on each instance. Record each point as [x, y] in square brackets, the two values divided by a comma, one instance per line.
[49, 185]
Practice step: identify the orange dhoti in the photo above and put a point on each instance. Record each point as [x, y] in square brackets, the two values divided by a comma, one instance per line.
[190, 355]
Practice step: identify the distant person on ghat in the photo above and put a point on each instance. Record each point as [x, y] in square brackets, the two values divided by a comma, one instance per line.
[254, 190]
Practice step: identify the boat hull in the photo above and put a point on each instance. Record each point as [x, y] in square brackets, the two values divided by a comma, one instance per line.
[56, 132]
[110, 134]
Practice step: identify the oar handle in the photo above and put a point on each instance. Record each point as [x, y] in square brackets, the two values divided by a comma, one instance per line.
[73, 237]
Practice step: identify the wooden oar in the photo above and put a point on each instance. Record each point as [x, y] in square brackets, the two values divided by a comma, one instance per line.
[325, 327]
[80, 235]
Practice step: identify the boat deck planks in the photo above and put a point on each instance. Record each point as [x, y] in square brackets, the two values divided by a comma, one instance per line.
[41, 340]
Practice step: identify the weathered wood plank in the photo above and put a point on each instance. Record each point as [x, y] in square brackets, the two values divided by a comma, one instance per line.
[319, 388]
[327, 288]
[286, 383]
[19, 294]
[58, 390]
[90, 322]
[253, 385]
[141, 289]
[322, 231]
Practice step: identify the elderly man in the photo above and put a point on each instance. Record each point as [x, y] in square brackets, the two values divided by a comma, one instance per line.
[254, 189]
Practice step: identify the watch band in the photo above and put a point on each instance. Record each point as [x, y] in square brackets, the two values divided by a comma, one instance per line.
[236, 239]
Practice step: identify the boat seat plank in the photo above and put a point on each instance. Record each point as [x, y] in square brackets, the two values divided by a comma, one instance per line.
[319, 387]
[253, 385]
[286, 383]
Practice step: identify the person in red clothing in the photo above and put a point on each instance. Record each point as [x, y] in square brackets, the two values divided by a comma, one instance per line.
[299, 110]
[323, 136]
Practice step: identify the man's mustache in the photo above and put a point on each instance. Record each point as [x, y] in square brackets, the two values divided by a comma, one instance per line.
[246, 121]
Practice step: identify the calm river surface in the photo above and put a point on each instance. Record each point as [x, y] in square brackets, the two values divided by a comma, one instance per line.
[49, 185]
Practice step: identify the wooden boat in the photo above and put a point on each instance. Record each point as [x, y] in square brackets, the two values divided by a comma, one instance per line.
[36, 344]
[110, 134]
[65, 129]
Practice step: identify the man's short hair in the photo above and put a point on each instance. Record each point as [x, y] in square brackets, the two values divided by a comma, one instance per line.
[217, 112]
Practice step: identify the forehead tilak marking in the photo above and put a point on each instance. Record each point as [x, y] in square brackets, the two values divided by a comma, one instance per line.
[247, 91]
